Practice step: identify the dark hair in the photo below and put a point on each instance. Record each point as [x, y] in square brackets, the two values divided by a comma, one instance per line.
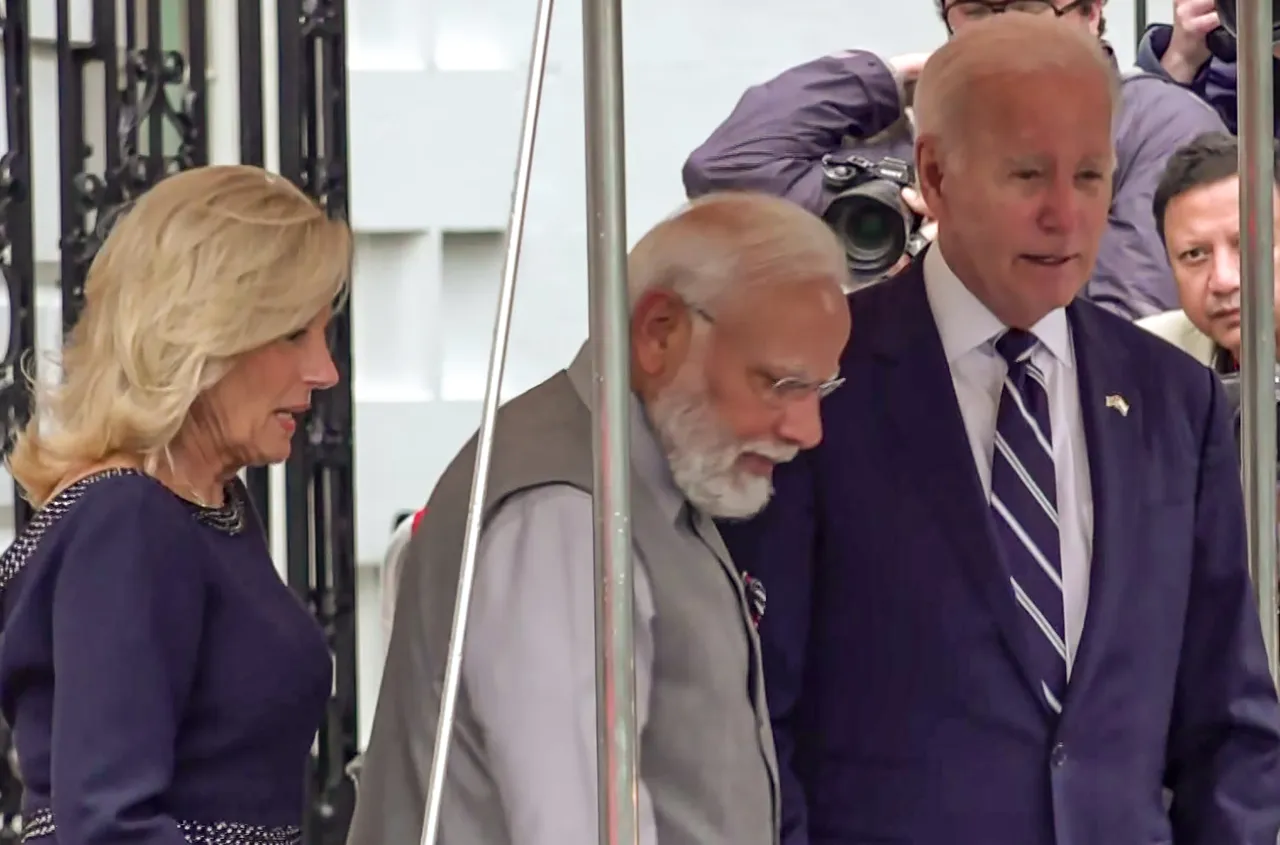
[1207, 159]
[1085, 7]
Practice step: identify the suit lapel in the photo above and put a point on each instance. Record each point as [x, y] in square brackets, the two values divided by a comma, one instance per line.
[1112, 411]
[928, 436]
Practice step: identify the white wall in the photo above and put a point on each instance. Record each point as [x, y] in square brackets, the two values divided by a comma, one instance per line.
[435, 102]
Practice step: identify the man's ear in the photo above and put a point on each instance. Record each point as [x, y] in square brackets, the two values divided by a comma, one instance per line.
[929, 173]
[660, 329]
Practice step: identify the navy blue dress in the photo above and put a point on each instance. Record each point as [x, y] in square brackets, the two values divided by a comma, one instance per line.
[162, 683]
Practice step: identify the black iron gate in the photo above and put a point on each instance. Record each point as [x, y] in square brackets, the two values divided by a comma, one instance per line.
[152, 89]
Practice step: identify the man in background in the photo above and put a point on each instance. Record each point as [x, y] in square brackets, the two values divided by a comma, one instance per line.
[776, 137]
[1181, 53]
[1009, 596]
[1197, 212]
[737, 322]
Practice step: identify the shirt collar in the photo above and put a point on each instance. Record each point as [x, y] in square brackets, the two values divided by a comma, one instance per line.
[965, 324]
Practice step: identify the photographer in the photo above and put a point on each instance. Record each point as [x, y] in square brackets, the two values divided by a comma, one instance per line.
[1197, 212]
[777, 136]
[1194, 52]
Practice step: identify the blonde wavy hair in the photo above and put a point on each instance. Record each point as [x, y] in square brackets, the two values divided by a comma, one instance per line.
[209, 264]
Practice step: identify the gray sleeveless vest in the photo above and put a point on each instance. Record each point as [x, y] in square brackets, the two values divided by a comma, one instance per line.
[706, 753]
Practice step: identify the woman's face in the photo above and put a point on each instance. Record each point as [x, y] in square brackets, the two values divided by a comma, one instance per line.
[249, 417]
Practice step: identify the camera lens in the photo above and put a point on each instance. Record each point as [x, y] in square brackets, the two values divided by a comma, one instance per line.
[874, 226]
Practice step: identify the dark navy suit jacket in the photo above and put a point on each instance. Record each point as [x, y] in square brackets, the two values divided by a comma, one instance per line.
[905, 709]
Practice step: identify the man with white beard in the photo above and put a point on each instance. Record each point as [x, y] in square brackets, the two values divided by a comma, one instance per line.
[737, 324]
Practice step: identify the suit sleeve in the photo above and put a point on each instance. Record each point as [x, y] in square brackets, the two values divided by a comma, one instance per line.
[776, 136]
[779, 548]
[1224, 745]
[530, 666]
[127, 615]
[1132, 276]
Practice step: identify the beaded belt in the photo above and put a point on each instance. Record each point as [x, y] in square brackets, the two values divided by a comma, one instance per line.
[39, 824]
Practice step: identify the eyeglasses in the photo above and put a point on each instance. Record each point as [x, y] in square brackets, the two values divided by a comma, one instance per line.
[971, 10]
[783, 389]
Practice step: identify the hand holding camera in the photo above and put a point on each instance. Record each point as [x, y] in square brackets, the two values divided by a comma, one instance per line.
[1188, 49]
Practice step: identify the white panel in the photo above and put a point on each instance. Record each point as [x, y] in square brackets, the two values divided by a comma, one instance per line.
[395, 303]
[391, 150]
[44, 20]
[223, 78]
[387, 35]
[471, 271]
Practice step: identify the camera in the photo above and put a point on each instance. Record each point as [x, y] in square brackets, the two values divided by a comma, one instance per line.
[1222, 41]
[876, 227]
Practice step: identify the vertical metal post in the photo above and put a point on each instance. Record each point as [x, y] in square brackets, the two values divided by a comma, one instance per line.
[488, 421]
[610, 339]
[1258, 353]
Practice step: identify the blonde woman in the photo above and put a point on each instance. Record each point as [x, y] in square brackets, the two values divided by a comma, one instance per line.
[162, 683]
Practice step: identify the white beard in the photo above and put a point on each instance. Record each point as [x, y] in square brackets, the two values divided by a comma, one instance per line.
[703, 455]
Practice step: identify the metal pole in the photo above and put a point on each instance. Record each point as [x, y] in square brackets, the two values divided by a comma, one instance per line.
[1258, 353]
[488, 417]
[617, 737]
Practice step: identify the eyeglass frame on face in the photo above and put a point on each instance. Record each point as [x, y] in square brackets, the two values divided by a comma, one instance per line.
[999, 7]
[781, 389]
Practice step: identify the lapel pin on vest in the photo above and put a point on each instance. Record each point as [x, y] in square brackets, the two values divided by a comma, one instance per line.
[1118, 403]
[756, 596]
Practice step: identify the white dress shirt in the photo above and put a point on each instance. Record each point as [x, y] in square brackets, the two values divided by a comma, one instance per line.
[529, 665]
[968, 331]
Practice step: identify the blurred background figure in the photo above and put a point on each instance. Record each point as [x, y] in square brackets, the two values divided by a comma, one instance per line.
[1198, 52]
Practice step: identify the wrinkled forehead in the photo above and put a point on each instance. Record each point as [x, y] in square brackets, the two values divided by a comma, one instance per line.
[1051, 112]
[795, 329]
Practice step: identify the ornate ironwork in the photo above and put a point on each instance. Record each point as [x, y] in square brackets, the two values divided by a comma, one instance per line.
[320, 475]
[17, 267]
[17, 241]
[150, 91]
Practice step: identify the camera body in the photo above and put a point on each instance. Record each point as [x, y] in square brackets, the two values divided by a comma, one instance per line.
[867, 212]
[1222, 41]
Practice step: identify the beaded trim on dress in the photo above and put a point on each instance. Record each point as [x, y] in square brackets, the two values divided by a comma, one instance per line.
[40, 824]
[230, 518]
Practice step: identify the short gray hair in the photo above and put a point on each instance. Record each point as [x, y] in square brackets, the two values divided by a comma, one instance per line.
[1003, 48]
[721, 243]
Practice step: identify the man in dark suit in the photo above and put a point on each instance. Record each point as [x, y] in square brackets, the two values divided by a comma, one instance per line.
[1009, 602]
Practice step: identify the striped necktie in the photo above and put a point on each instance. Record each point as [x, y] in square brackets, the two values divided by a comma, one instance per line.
[1024, 506]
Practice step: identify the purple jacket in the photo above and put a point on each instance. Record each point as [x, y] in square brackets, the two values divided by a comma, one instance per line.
[776, 136]
[1215, 82]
